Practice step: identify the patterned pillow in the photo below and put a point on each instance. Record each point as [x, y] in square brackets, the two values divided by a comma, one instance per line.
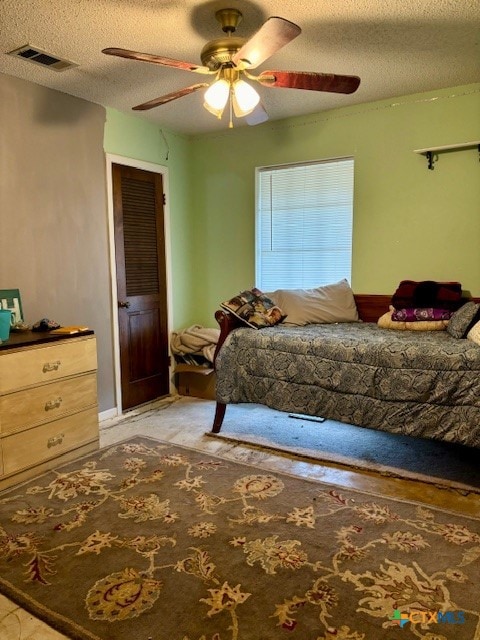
[254, 308]
[474, 333]
[420, 314]
[475, 321]
[461, 320]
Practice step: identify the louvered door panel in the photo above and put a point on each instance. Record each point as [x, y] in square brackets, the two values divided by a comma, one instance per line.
[140, 237]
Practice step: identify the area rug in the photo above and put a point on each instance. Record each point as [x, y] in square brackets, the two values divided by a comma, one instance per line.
[147, 540]
[439, 463]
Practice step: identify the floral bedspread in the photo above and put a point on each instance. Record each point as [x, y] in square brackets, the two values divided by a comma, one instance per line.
[419, 383]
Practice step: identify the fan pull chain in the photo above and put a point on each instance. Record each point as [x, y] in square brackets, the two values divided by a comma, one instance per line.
[230, 107]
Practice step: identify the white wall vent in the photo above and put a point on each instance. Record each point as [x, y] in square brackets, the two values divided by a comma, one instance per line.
[34, 54]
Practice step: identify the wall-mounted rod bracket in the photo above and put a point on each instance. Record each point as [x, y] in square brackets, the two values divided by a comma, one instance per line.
[431, 153]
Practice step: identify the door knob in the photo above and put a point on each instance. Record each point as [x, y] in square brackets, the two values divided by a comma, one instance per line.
[123, 305]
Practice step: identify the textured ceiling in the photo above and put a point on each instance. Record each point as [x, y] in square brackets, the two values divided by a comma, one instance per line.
[397, 47]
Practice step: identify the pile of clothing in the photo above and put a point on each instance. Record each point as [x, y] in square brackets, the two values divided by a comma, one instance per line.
[195, 345]
[428, 294]
[423, 306]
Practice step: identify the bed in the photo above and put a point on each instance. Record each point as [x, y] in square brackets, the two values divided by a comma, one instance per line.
[419, 383]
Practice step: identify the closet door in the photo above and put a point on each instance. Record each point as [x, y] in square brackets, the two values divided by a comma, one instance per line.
[141, 284]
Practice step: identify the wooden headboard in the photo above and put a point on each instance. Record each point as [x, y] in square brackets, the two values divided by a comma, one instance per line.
[370, 306]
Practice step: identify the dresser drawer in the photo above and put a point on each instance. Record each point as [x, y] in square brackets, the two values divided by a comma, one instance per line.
[23, 409]
[29, 367]
[33, 446]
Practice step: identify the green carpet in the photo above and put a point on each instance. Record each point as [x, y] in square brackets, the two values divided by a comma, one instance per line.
[440, 463]
[150, 540]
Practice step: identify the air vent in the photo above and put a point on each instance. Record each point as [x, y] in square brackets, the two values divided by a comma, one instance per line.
[34, 54]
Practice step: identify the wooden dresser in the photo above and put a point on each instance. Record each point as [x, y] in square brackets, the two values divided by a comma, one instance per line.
[48, 402]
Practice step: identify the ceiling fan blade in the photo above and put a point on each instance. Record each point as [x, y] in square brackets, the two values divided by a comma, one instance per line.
[257, 116]
[149, 57]
[156, 102]
[274, 34]
[309, 80]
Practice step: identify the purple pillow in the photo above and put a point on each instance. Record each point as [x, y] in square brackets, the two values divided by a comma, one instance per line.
[419, 314]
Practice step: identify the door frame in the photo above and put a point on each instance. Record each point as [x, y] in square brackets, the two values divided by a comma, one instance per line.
[153, 168]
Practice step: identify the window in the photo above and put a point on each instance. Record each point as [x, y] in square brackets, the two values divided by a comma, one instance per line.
[304, 220]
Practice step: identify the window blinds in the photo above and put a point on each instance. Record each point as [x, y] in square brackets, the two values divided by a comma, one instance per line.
[304, 223]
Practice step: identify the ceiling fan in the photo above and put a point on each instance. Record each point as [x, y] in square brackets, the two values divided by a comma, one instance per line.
[230, 59]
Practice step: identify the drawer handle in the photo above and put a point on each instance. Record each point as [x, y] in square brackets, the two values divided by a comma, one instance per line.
[53, 404]
[52, 442]
[51, 366]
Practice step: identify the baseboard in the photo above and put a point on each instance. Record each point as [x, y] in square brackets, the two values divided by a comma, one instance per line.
[114, 412]
[108, 414]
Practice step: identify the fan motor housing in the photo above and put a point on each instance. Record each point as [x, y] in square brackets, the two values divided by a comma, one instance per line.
[220, 51]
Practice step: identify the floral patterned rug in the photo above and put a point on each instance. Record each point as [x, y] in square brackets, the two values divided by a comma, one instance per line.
[147, 540]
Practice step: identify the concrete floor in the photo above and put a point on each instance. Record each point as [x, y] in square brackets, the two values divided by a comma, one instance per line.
[184, 421]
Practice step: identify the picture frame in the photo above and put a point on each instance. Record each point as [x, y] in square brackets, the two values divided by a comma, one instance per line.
[10, 299]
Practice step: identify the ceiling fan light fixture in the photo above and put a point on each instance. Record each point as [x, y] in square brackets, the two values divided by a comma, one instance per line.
[216, 97]
[230, 59]
[245, 98]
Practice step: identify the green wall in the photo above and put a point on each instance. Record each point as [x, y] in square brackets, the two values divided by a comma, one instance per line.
[409, 223]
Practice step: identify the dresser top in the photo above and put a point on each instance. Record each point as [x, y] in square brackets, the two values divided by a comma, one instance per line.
[30, 338]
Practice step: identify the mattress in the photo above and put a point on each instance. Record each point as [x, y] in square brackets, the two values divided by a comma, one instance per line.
[420, 383]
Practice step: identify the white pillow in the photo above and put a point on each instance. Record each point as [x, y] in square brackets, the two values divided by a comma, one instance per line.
[327, 304]
[474, 333]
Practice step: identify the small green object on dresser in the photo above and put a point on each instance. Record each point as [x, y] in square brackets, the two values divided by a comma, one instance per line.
[5, 319]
